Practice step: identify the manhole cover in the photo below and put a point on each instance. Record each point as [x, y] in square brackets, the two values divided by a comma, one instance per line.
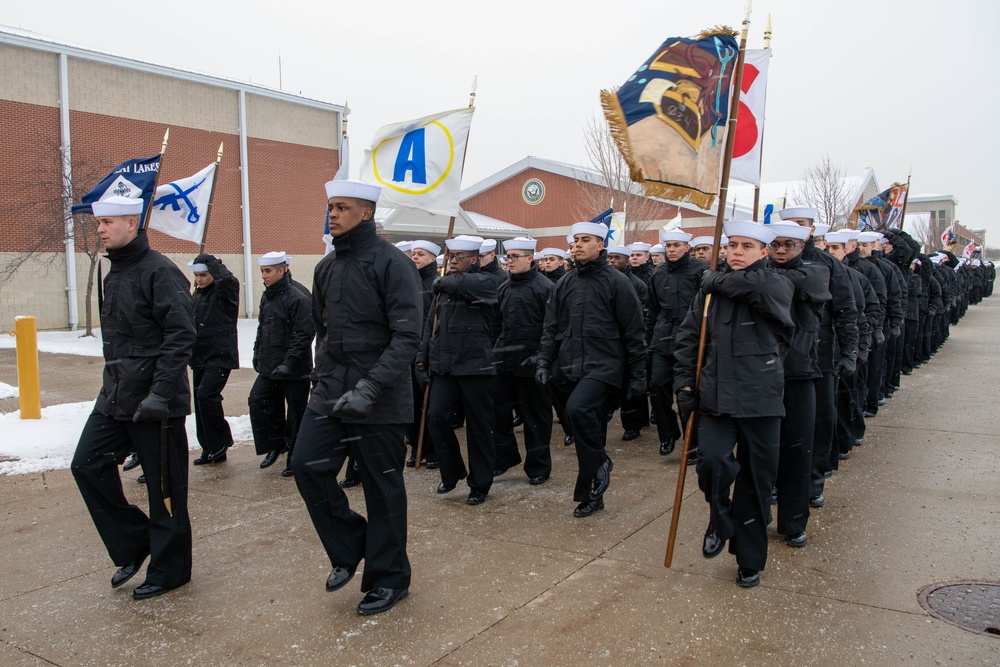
[971, 605]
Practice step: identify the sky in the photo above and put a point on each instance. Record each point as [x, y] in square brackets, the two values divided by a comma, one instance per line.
[902, 86]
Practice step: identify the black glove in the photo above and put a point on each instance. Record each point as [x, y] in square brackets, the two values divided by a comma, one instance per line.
[530, 362]
[709, 279]
[436, 285]
[846, 367]
[687, 403]
[205, 259]
[357, 403]
[542, 374]
[879, 339]
[154, 408]
[895, 331]
[422, 376]
[282, 372]
[636, 388]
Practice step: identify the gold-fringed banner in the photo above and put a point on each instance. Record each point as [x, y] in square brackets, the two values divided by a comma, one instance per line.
[669, 118]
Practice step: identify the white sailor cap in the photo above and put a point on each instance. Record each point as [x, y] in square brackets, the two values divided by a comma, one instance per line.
[701, 240]
[723, 240]
[675, 235]
[837, 237]
[465, 242]
[197, 267]
[356, 189]
[520, 243]
[116, 205]
[618, 250]
[440, 260]
[538, 255]
[820, 230]
[937, 258]
[592, 228]
[869, 237]
[976, 262]
[489, 245]
[639, 246]
[657, 250]
[432, 248]
[273, 258]
[851, 234]
[749, 229]
[405, 246]
[790, 230]
[806, 212]
[558, 252]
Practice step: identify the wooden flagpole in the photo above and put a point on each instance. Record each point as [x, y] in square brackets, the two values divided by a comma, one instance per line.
[444, 271]
[760, 166]
[211, 198]
[734, 106]
[156, 181]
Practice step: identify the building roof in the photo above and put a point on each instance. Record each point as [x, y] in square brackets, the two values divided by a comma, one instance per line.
[415, 224]
[787, 193]
[921, 198]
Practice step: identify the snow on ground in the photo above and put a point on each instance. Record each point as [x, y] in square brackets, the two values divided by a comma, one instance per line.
[72, 342]
[35, 445]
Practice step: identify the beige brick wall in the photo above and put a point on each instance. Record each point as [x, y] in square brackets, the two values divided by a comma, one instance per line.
[29, 76]
[39, 287]
[99, 88]
[276, 120]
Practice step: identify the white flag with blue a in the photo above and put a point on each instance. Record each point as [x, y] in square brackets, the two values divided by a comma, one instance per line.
[419, 163]
[180, 208]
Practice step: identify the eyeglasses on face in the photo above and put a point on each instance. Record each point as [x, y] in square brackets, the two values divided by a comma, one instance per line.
[787, 245]
[509, 256]
[458, 257]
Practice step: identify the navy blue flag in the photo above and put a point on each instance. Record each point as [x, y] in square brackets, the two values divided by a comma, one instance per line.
[605, 219]
[135, 179]
[884, 210]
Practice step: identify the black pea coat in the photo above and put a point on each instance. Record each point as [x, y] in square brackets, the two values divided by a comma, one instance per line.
[367, 310]
[285, 329]
[555, 274]
[812, 293]
[148, 331]
[895, 307]
[874, 277]
[749, 327]
[216, 309]
[593, 326]
[672, 288]
[459, 341]
[522, 301]
[838, 333]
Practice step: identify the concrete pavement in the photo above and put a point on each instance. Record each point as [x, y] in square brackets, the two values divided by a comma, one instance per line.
[518, 580]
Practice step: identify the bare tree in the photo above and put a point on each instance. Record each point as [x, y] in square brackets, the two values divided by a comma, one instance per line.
[825, 188]
[43, 209]
[918, 225]
[615, 187]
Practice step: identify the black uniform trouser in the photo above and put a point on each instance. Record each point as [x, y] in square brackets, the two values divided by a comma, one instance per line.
[876, 371]
[860, 396]
[826, 420]
[795, 456]
[474, 395]
[661, 397]
[586, 401]
[273, 427]
[893, 356]
[845, 432]
[750, 474]
[535, 405]
[926, 331]
[321, 448]
[210, 422]
[910, 335]
[125, 529]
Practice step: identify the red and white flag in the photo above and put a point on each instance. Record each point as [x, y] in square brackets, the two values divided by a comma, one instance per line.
[750, 121]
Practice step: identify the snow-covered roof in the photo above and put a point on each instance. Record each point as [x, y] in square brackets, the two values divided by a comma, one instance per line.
[933, 197]
[783, 194]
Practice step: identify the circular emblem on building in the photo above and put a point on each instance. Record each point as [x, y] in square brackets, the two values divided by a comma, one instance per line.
[533, 191]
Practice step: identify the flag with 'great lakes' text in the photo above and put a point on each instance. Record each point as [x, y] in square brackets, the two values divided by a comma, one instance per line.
[135, 179]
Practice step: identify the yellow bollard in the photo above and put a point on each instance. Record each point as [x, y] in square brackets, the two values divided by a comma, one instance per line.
[27, 367]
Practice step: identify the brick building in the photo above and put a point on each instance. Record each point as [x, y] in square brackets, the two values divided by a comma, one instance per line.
[279, 150]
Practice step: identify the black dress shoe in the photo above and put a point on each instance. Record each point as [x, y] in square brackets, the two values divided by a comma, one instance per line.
[131, 462]
[630, 434]
[411, 462]
[540, 479]
[287, 472]
[746, 577]
[349, 482]
[667, 447]
[817, 501]
[517, 421]
[500, 471]
[867, 414]
[602, 480]
[881, 401]
[568, 440]
[446, 488]
[843, 456]
[147, 590]
[126, 572]
[270, 458]
[798, 541]
[692, 457]
[339, 576]
[712, 545]
[432, 465]
[381, 599]
[475, 498]
[774, 496]
[588, 507]
[141, 478]
[859, 442]
[211, 457]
